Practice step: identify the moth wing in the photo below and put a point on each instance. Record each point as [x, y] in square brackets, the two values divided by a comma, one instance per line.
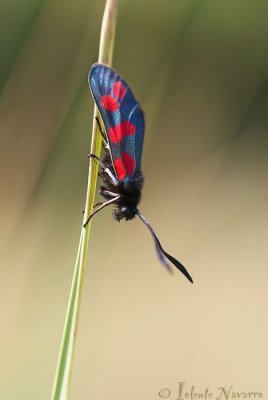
[122, 118]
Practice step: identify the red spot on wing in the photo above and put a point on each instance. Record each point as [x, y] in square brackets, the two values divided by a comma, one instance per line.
[124, 166]
[129, 163]
[109, 103]
[119, 168]
[117, 132]
[119, 89]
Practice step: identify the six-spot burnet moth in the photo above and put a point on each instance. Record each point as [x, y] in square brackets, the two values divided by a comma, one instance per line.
[122, 179]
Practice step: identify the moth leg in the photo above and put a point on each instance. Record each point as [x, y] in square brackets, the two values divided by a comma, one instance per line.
[98, 159]
[103, 135]
[97, 204]
[105, 169]
[107, 192]
[111, 176]
[105, 204]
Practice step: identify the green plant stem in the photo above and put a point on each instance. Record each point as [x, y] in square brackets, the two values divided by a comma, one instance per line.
[61, 388]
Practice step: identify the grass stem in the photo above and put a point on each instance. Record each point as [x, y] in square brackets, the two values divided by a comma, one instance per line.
[61, 388]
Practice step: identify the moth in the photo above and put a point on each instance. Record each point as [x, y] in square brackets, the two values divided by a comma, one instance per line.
[121, 175]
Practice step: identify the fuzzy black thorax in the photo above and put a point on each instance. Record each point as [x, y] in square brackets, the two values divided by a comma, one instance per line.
[128, 190]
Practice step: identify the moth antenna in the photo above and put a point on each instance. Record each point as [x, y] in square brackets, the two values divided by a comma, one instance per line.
[105, 204]
[162, 253]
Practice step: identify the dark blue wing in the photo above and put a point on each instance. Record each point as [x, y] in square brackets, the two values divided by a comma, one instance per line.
[122, 118]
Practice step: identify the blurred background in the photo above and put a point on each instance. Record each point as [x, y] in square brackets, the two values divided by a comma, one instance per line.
[199, 68]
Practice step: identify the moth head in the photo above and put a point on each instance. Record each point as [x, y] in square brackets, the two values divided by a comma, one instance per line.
[123, 212]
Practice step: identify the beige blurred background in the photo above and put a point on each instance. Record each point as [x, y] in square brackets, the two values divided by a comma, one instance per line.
[199, 69]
